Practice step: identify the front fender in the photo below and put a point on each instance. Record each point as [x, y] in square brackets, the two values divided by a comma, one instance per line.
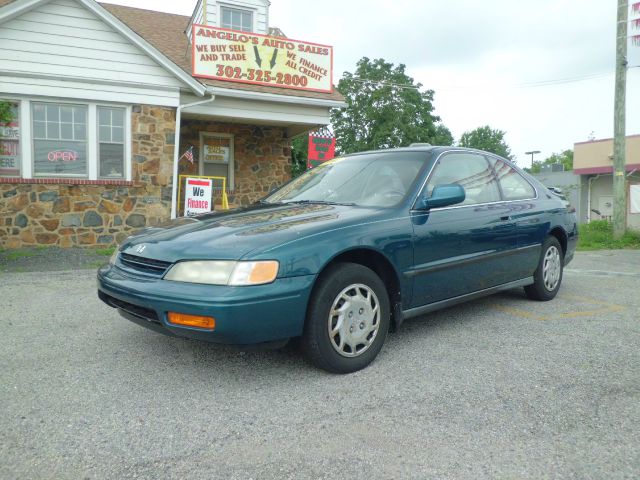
[391, 237]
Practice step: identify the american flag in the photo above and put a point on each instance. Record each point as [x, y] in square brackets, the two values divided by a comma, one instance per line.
[188, 155]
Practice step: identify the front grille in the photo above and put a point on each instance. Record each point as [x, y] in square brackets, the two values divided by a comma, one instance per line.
[149, 266]
[140, 312]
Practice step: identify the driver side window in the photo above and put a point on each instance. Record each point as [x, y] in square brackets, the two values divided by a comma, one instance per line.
[470, 171]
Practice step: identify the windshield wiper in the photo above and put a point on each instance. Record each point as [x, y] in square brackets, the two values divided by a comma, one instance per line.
[321, 202]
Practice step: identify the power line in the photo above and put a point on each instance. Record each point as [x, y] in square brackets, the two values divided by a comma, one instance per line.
[541, 83]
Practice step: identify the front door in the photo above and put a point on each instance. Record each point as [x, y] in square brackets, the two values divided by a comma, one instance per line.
[462, 248]
[217, 157]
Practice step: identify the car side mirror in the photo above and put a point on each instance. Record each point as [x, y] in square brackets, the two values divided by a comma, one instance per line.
[443, 196]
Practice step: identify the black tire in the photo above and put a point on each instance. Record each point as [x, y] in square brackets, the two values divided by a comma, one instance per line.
[541, 289]
[338, 282]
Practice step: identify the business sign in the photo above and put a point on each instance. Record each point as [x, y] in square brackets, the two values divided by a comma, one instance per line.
[235, 56]
[322, 147]
[197, 196]
[10, 144]
[635, 29]
[9, 158]
[216, 149]
[634, 199]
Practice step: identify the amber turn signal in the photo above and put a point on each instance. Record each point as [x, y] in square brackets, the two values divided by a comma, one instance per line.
[196, 321]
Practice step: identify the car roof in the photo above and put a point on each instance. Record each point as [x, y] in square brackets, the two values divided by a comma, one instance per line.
[434, 149]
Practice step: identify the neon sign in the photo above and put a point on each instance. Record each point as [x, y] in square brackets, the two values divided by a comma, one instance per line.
[65, 156]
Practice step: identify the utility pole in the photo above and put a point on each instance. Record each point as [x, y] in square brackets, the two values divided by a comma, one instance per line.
[619, 124]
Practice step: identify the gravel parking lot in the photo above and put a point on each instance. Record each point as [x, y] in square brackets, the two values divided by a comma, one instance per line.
[498, 388]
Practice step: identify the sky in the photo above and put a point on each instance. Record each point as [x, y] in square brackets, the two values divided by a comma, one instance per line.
[541, 70]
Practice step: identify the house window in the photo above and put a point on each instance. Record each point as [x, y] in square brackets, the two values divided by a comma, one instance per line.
[236, 19]
[111, 142]
[71, 140]
[10, 142]
[59, 139]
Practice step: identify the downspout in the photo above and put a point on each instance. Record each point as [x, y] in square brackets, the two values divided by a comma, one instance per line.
[589, 197]
[176, 152]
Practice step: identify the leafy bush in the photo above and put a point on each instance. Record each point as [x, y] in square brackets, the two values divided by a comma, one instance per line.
[598, 235]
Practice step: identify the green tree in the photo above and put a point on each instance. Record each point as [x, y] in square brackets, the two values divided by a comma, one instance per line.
[565, 158]
[6, 113]
[487, 139]
[299, 155]
[385, 109]
[443, 136]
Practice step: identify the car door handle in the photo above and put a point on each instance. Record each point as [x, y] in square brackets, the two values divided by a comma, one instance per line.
[505, 219]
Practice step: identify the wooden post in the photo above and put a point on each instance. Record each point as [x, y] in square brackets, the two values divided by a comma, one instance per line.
[619, 126]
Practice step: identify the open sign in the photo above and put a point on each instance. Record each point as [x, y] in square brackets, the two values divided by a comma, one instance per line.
[62, 156]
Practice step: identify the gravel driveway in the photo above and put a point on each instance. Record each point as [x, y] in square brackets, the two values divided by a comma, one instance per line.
[498, 388]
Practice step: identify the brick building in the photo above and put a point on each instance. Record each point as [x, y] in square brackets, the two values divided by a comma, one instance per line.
[105, 102]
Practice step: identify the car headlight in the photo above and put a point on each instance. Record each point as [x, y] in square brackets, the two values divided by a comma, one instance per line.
[221, 272]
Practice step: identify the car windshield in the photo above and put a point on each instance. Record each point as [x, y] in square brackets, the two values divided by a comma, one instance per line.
[371, 180]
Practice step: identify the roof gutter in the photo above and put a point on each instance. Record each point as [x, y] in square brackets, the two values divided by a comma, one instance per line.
[272, 97]
[16, 9]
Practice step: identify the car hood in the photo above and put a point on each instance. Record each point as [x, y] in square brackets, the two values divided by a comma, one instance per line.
[235, 233]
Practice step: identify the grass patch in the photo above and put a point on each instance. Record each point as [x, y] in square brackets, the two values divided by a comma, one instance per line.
[107, 252]
[14, 255]
[598, 235]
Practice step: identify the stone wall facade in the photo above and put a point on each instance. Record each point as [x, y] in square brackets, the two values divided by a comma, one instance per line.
[262, 156]
[70, 212]
[76, 212]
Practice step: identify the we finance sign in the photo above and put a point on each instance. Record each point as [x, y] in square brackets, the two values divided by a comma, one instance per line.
[235, 56]
[197, 196]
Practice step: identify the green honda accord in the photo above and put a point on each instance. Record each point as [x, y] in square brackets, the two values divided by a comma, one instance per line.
[343, 254]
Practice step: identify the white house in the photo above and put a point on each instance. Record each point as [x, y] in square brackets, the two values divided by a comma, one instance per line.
[107, 98]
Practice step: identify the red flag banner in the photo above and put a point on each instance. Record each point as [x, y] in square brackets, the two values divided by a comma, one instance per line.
[635, 7]
[636, 40]
[636, 23]
[322, 147]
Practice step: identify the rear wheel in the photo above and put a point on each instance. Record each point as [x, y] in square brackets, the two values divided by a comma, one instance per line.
[548, 275]
[347, 319]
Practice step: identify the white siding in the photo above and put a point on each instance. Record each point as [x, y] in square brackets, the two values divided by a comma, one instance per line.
[198, 13]
[63, 40]
[196, 18]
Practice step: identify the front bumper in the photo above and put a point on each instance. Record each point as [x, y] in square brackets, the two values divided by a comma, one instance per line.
[244, 315]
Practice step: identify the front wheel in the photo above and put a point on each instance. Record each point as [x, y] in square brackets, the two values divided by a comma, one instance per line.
[548, 275]
[347, 319]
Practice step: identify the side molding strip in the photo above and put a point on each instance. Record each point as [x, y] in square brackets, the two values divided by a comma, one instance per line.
[415, 312]
[435, 266]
